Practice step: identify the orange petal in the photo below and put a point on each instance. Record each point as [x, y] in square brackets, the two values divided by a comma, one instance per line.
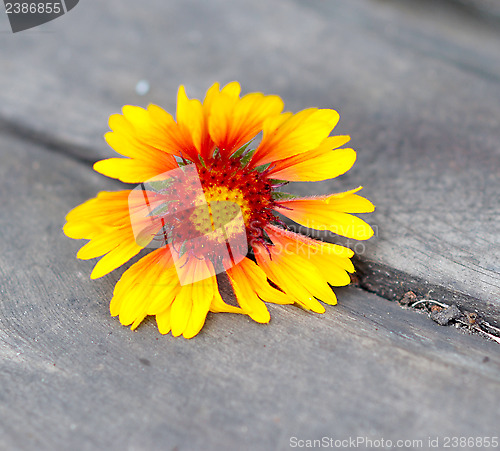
[298, 133]
[292, 242]
[331, 260]
[140, 135]
[319, 164]
[234, 121]
[174, 138]
[296, 276]
[190, 120]
[206, 146]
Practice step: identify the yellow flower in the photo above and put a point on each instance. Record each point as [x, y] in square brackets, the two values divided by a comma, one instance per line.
[206, 198]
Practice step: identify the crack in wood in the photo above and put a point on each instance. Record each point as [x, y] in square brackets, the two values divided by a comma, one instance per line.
[393, 285]
[46, 141]
[450, 314]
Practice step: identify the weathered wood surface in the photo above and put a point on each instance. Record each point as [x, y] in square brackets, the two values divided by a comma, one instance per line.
[417, 84]
[72, 378]
[488, 8]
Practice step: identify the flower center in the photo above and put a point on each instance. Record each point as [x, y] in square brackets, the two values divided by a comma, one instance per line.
[210, 211]
[226, 181]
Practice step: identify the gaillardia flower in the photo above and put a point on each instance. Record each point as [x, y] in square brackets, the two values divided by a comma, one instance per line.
[207, 202]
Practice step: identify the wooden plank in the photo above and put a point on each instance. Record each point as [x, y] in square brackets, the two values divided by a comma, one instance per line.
[417, 84]
[489, 8]
[428, 157]
[64, 79]
[73, 378]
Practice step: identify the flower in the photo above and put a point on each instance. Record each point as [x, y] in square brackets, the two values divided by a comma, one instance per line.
[206, 199]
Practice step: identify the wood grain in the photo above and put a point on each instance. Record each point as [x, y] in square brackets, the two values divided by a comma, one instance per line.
[417, 84]
[73, 377]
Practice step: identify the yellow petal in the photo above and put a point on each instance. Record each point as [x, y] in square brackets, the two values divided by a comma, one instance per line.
[163, 321]
[349, 202]
[181, 309]
[242, 277]
[131, 295]
[206, 145]
[319, 164]
[142, 285]
[133, 170]
[219, 306]
[330, 268]
[331, 213]
[115, 258]
[105, 221]
[101, 244]
[78, 231]
[200, 306]
[232, 89]
[172, 138]
[163, 294]
[257, 279]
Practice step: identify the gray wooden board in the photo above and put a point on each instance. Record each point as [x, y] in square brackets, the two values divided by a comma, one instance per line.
[488, 8]
[417, 85]
[72, 377]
